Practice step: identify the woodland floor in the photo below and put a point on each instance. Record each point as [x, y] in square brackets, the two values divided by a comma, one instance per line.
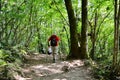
[40, 67]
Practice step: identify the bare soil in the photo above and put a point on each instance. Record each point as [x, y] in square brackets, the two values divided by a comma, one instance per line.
[40, 67]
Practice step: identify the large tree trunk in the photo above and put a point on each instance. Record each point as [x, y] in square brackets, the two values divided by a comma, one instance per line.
[84, 48]
[116, 35]
[115, 71]
[73, 30]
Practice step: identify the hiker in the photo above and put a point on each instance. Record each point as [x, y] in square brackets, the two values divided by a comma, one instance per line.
[53, 42]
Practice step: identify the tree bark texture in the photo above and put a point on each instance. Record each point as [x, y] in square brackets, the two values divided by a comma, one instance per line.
[116, 34]
[84, 48]
[73, 30]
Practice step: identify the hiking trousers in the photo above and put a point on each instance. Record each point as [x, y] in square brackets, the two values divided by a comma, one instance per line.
[54, 52]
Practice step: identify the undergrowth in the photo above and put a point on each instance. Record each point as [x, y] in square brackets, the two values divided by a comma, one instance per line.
[102, 70]
[10, 63]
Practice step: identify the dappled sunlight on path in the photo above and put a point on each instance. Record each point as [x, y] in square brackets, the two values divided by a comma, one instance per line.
[40, 67]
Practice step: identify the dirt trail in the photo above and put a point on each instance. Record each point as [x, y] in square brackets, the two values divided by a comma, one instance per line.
[40, 67]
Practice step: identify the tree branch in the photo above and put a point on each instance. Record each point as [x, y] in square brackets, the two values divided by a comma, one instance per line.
[61, 13]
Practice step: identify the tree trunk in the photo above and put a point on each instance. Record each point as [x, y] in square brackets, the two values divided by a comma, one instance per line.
[93, 36]
[116, 35]
[84, 47]
[73, 31]
[116, 63]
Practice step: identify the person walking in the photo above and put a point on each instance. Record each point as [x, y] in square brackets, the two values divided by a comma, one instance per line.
[53, 41]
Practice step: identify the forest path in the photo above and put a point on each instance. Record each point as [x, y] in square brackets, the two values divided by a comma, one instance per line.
[40, 67]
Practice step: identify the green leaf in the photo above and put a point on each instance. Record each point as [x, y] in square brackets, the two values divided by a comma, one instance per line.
[2, 63]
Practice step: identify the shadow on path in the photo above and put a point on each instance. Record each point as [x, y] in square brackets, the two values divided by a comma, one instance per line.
[40, 67]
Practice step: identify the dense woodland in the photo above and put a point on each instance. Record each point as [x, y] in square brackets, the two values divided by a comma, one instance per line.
[88, 29]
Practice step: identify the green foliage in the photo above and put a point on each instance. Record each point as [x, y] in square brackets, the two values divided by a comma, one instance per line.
[2, 63]
[24, 24]
[102, 71]
[10, 62]
[5, 55]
